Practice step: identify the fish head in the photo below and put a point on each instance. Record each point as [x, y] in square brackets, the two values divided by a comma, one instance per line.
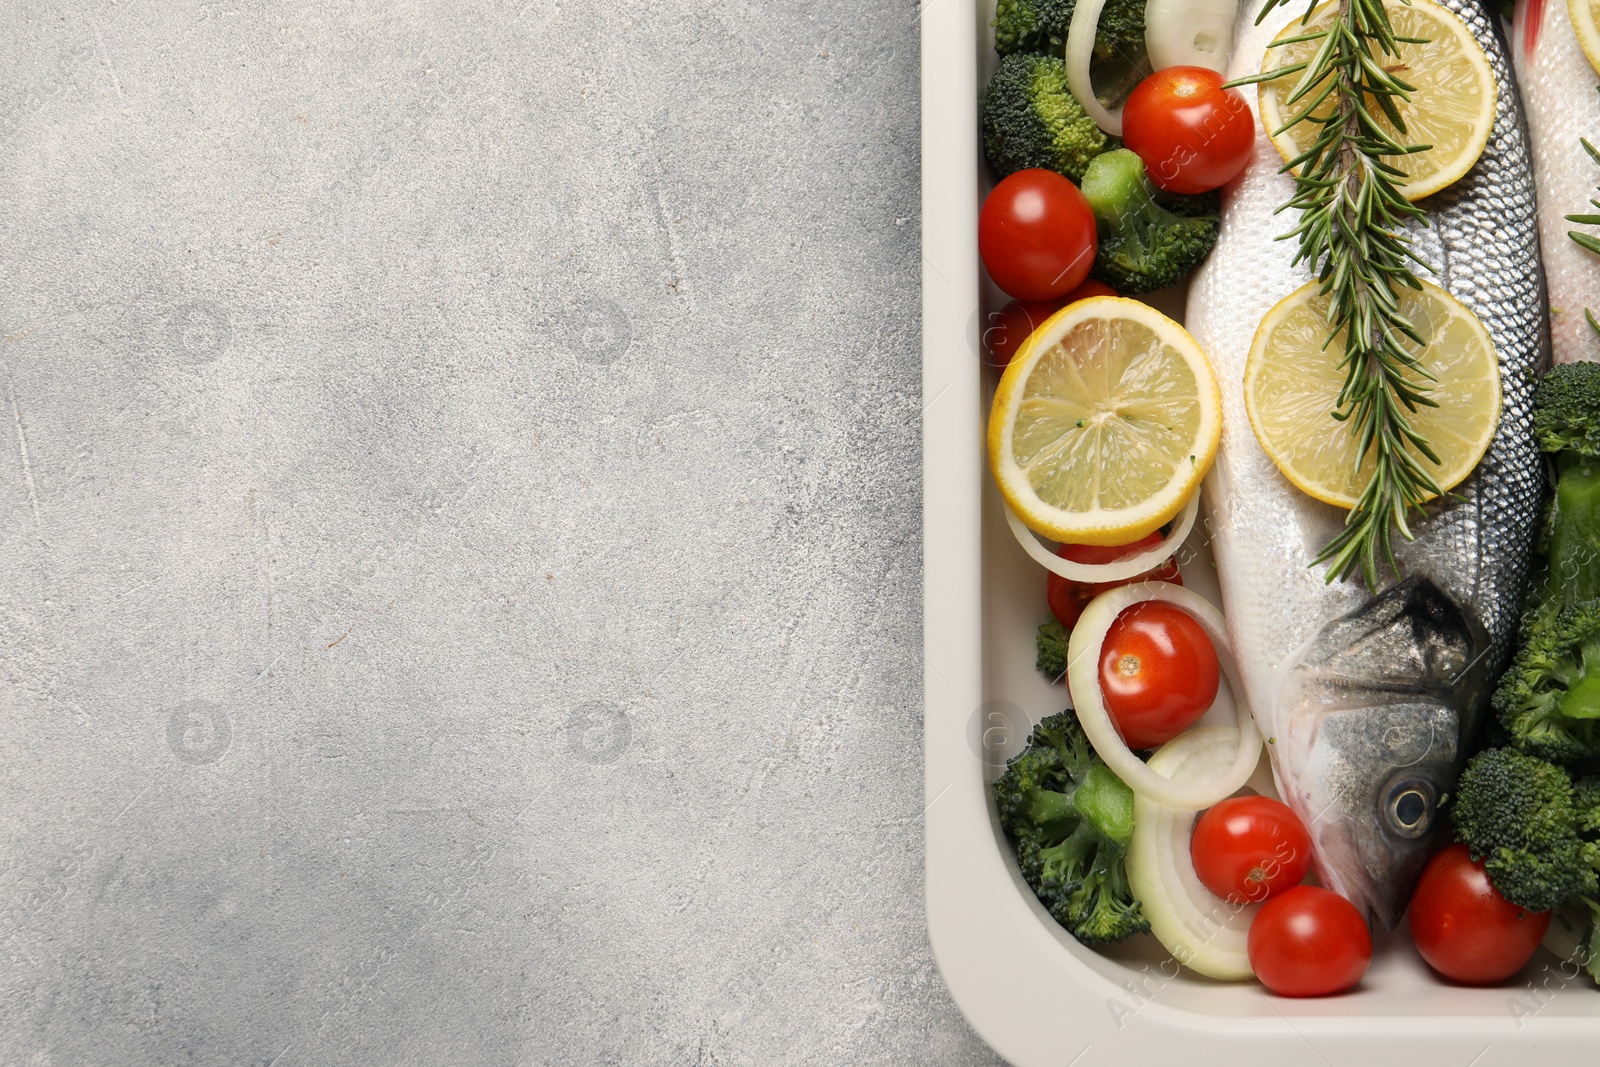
[1380, 708]
[1370, 790]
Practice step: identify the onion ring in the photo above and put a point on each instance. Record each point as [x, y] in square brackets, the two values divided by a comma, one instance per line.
[1083, 682]
[1202, 931]
[1080, 49]
[1117, 571]
[1189, 33]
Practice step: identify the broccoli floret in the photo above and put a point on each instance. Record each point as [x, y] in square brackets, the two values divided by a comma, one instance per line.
[1143, 245]
[1586, 804]
[1517, 814]
[1056, 745]
[1052, 644]
[1566, 410]
[1566, 423]
[1031, 119]
[1586, 808]
[1071, 819]
[1041, 26]
[1120, 31]
[1548, 701]
[1032, 25]
[1538, 835]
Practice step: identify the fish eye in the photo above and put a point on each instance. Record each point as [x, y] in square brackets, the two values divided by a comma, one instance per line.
[1409, 807]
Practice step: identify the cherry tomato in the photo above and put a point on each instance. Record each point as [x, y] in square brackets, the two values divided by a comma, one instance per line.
[1036, 235]
[1309, 942]
[1192, 134]
[1464, 928]
[1011, 325]
[1158, 673]
[1089, 288]
[1068, 598]
[1250, 849]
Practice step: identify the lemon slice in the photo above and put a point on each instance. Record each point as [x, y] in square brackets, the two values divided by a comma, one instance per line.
[1585, 15]
[1452, 108]
[1104, 423]
[1291, 384]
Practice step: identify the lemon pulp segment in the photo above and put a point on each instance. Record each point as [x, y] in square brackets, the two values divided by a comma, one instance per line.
[1292, 384]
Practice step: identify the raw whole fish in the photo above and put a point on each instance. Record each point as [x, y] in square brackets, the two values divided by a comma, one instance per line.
[1560, 96]
[1369, 704]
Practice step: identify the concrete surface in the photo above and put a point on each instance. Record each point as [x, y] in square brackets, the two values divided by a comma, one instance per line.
[459, 562]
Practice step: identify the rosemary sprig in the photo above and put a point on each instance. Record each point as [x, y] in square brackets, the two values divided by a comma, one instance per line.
[1351, 235]
[1591, 243]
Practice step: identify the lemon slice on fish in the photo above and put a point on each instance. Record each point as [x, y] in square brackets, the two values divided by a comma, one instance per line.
[1585, 15]
[1104, 423]
[1452, 109]
[1291, 384]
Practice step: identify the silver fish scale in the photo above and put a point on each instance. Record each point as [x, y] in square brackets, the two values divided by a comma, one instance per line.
[1483, 241]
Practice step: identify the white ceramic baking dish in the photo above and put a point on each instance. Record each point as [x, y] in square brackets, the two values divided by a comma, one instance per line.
[1031, 991]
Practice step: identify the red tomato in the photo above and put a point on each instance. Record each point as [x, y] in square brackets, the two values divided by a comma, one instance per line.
[1309, 942]
[1158, 673]
[1036, 235]
[1011, 325]
[1086, 290]
[1192, 134]
[1249, 849]
[1464, 928]
[1068, 598]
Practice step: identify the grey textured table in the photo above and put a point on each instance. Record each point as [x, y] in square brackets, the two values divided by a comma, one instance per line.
[460, 535]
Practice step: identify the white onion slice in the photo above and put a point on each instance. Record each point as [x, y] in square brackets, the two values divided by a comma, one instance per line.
[1080, 50]
[1189, 33]
[1131, 567]
[1202, 931]
[1083, 682]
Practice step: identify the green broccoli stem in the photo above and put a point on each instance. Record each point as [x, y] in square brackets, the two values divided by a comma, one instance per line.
[1101, 799]
[1589, 947]
[1145, 243]
[1573, 573]
[1119, 193]
[1047, 807]
[1107, 801]
[1582, 701]
[1072, 854]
